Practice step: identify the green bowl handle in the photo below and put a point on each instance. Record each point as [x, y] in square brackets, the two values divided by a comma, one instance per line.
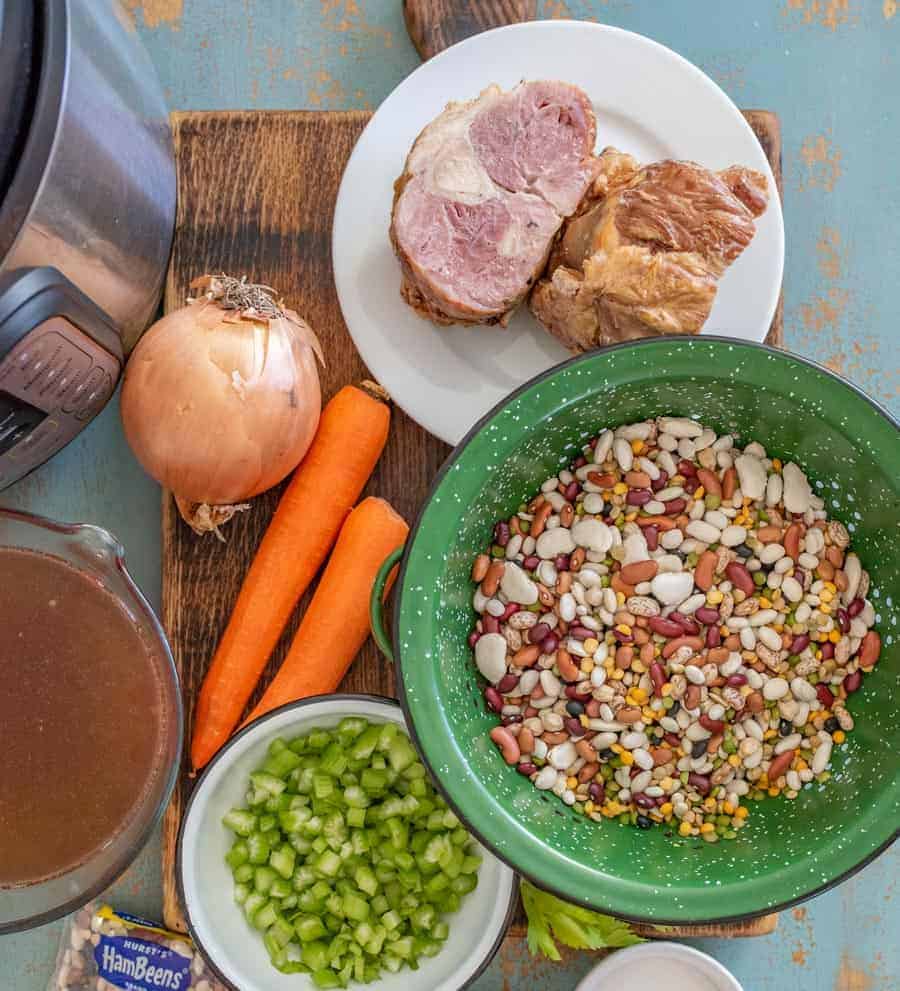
[376, 605]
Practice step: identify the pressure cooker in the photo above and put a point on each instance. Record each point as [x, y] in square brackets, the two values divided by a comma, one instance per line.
[87, 213]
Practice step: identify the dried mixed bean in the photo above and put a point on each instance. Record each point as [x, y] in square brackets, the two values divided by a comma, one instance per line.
[670, 627]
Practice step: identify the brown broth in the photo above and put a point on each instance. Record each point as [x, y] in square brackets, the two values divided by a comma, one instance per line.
[81, 717]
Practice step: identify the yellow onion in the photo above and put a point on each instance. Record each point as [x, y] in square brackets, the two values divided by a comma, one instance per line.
[221, 398]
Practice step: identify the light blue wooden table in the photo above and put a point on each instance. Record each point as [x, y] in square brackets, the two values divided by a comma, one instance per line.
[831, 69]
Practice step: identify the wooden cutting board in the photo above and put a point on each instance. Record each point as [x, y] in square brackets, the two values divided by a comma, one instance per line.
[256, 193]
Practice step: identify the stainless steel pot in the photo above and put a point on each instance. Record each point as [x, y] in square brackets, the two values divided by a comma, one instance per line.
[87, 193]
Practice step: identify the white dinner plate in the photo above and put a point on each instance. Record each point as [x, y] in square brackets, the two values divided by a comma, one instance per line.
[649, 102]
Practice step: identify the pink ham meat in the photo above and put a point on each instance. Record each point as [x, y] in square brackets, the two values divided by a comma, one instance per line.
[484, 192]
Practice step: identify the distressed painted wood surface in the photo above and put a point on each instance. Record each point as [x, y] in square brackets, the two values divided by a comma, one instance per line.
[280, 235]
[831, 69]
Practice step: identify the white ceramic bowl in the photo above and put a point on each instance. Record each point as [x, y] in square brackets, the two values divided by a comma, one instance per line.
[217, 925]
[659, 965]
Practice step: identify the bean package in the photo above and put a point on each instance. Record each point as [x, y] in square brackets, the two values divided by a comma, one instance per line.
[672, 626]
[104, 950]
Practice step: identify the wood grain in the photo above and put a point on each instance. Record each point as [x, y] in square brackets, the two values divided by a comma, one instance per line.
[434, 25]
[256, 194]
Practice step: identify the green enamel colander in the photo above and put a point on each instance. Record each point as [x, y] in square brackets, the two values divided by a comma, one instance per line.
[789, 850]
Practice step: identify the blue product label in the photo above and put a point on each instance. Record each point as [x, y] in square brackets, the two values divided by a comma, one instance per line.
[141, 965]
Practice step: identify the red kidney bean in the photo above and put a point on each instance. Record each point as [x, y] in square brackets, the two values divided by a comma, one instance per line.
[576, 696]
[526, 768]
[707, 615]
[530, 563]
[660, 483]
[550, 644]
[493, 699]
[672, 740]
[713, 636]
[638, 497]
[824, 695]
[561, 562]
[651, 535]
[507, 683]
[571, 491]
[700, 782]
[579, 462]
[580, 632]
[623, 637]
[644, 801]
[512, 607]
[691, 485]
[855, 608]
[740, 577]
[852, 682]
[686, 468]
[592, 709]
[538, 633]
[530, 712]
[689, 625]
[799, 643]
[509, 720]
[490, 623]
[736, 680]
[780, 764]
[664, 627]
[501, 533]
[658, 677]
[843, 620]
[713, 725]
[597, 791]
[827, 649]
[661, 799]
[474, 637]
[675, 505]
[574, 727]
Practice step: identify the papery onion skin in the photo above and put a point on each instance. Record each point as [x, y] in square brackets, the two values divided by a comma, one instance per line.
[218, 407]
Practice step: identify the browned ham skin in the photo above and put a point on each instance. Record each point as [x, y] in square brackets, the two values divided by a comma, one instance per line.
[643, 254]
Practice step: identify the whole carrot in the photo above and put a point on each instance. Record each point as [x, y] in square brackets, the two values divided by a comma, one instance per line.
[351, 436]
[336, 623]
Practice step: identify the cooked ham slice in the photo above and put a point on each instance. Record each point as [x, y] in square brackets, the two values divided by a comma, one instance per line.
[645, 251]
[483, 194]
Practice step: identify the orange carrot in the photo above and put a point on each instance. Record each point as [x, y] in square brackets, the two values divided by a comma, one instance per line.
[351, 436]
[336, 623]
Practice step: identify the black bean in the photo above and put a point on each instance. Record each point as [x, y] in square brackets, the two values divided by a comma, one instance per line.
[698, 749]
[832, 725]
[605, 754]
[574, 708]
[785, 727]
[676, 707]
[643, 822]
[742, 550]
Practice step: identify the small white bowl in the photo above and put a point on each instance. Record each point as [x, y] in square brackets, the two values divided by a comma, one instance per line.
[217, 925]
[658, 965]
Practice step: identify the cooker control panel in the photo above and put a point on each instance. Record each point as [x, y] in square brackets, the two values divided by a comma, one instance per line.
[52, 382]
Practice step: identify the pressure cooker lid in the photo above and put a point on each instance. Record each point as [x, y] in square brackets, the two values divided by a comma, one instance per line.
[18, 79]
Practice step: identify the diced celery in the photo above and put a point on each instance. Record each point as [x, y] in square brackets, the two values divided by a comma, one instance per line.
[355, 907]
[351, 726]
[264, 781]
[329, 863]
[258, 848]
[309, 927]
[240, 821]
[241, 892]
[334, 760]
[364, 745]
[283, 860]
[265, 917]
